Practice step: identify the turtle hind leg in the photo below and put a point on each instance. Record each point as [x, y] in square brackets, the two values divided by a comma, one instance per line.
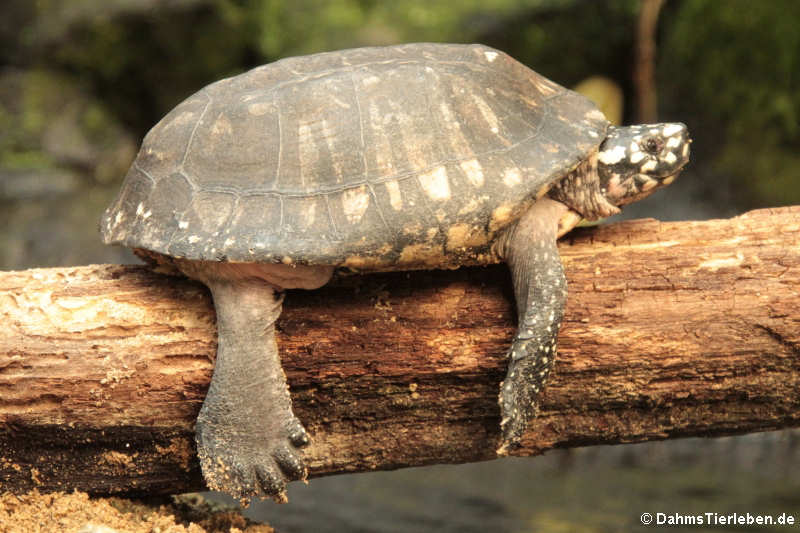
[248, 438]
[540, 292]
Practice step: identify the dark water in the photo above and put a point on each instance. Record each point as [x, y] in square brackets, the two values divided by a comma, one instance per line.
[598, 489]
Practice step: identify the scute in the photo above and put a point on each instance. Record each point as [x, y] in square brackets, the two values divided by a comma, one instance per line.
[403, 156]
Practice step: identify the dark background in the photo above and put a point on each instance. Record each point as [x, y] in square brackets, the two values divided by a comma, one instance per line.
[81, 81]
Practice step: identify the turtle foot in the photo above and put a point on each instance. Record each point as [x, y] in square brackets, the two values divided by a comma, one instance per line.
[253, 464]
[528, 370]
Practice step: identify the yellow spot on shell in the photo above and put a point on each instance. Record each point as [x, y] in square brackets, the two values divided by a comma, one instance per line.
[222, 126]
[501, 217]
[395, 198]
[435, 184]
[472, 168]
[512, 177]
[461, 236]
[542, 190]
[259, 108]
[422, 255]
[355, 203]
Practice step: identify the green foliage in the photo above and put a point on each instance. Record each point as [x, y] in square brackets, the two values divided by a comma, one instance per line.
[292, 27]
[739, 62]
[747, 57]
[729, 69]
[49, 122]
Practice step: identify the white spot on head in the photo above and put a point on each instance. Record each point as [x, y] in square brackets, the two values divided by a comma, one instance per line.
[435, 184]
[490, 56]
[147, 214]
[183, 224]
[613, 156]
[472, 168]
[649, 166]
[671, 129]
[670, 158]
[139, 209]
[673, 142]
[637, 156]
[193, 239]
[648, 183]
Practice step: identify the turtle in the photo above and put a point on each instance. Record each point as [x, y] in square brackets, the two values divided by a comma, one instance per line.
[404, 157]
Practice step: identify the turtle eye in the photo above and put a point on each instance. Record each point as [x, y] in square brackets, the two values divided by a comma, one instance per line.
[653, 145]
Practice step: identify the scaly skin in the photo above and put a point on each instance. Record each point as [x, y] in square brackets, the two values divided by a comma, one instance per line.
[248, 439]
[632, 162]
[540, 290]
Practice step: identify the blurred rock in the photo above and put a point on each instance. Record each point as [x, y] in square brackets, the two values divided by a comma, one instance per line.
[606, 94]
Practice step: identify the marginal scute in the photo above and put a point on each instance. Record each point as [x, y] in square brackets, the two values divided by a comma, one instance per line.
[501, 217]
[463, 236]
[422, 255]
[428, 149]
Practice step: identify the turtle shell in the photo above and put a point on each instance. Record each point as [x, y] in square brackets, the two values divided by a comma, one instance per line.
[373, 158]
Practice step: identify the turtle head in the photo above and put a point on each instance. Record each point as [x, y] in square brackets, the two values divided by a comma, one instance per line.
[634, 161]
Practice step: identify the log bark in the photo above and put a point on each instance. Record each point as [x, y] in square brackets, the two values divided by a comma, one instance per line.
[671, 330]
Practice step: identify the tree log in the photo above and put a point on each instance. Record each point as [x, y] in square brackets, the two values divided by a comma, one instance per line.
[671, 330]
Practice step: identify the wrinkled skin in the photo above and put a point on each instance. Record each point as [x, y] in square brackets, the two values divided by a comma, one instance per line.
[248, 438]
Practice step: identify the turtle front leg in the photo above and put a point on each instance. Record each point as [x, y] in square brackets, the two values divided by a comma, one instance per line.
[248, 439]
[540, 290]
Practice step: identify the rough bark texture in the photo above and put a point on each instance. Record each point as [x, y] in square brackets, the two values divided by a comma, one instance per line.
[671, 329]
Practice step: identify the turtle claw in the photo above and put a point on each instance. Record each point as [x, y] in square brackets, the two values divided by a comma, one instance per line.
[528, 369]
[298, 435]
[256, 468]
[290, 464]
[271, 482]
